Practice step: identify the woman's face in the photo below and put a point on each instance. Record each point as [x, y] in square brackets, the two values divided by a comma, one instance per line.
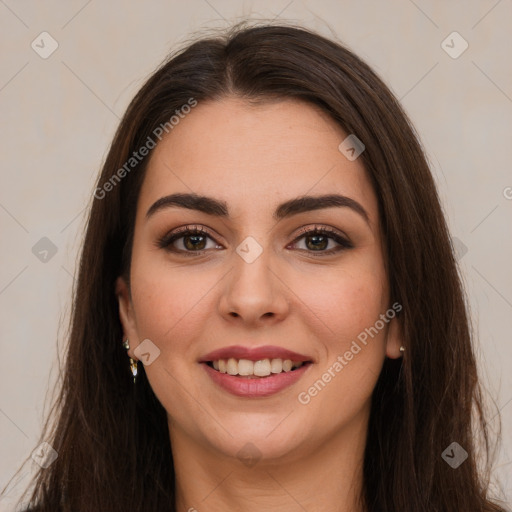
[255, 280]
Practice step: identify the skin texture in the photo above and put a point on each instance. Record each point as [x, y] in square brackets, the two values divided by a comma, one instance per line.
[255, 157]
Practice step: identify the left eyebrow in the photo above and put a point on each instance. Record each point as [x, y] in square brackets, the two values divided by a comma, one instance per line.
[218, 208]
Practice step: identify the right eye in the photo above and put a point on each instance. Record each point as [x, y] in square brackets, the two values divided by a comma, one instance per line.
[192, 240]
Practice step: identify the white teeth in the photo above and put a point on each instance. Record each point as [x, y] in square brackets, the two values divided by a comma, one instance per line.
[245, 367]
[232, 366]
[276, 365]
[261, 368]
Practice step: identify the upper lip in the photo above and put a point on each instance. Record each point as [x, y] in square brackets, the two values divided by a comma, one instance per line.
[254, 354]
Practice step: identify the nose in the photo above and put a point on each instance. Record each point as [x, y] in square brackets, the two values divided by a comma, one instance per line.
[254, 293]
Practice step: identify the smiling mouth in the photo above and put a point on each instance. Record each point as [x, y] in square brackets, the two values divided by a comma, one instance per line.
[245, 368]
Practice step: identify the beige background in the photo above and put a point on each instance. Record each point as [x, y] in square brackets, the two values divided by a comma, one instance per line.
[59, 114]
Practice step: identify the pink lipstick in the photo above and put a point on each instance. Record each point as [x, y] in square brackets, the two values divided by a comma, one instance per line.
[255, 372]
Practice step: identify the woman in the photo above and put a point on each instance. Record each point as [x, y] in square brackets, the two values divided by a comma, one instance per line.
[268, 314]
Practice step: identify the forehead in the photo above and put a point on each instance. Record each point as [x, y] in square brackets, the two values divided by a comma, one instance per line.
[255, 156]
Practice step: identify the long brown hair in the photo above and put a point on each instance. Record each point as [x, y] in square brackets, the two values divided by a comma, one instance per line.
[112, 437]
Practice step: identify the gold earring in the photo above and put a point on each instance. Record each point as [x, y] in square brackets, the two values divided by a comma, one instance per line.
[402, 349]
[133, 363]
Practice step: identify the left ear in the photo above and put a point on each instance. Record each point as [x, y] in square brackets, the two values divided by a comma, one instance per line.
[394, 339]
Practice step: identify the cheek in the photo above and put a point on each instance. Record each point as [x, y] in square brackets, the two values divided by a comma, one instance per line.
[353, 354]
[172, 309]
[356, 307]
[347, 299]
[166, 299]
[349, 303]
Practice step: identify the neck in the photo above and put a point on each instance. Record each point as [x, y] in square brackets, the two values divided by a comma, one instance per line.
[324, 475]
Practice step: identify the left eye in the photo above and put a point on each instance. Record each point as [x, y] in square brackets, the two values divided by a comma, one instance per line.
[318, 240]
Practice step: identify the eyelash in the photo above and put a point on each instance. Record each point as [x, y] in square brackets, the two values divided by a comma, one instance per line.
[167, 240]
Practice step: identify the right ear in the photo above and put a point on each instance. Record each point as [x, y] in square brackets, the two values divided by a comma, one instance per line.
[127, 315]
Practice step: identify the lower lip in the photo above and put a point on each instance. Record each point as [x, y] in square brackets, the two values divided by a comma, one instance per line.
[259, 387]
